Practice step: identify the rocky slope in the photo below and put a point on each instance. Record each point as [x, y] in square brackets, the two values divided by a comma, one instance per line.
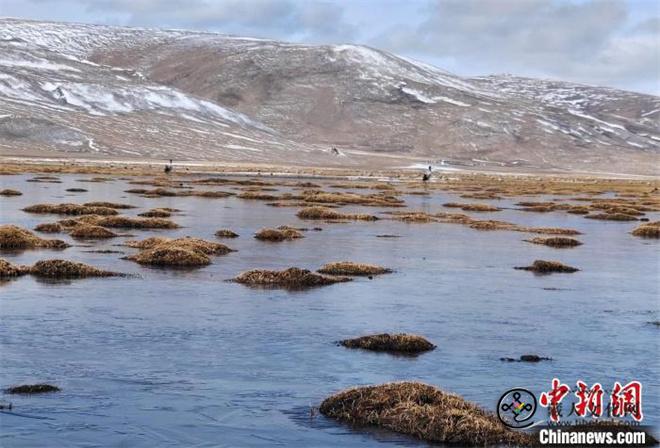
[204, 96]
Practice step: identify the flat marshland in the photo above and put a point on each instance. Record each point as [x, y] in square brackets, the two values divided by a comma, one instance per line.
[176, 346]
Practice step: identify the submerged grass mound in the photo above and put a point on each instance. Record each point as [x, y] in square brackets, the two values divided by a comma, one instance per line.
[187, 251]
[8, 270]
[473, 207]
[328, 213]
[156, 213]
[14, 237]
[63, 269]
[612, 217]
[556, 241]
[28, 389]
[49, 227]
[76, 190]
[527, 358]
[114, 205]
[321, 197]
[350, 268]
[547, 267]
[10, 192]
[648, 230]
[278, 235]
[422, 411]
[257, 195]
[91, 231]
[393, 343]
[226, 233]
[125, 222]
[292, 278]
[70, 209]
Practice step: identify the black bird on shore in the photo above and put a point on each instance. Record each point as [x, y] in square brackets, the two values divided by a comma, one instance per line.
[168, 168]
[427, 176]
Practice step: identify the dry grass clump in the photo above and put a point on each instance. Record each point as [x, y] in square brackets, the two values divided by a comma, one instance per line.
[473, 207]
[10, 192]
[156, 213]
[49, 227]
[648, 230]
[70, 209]
[550, 230]
[393, 343]
[45, 179]
[28, 389]
[493, 225]
[187, 251]
[412, 217]
[292, 278]
[422, 411]
[108, 205]
[350, 268]
[256, 195]
[556, 241]
[278, 235]
[328, 213]
[68, 269]
[125, 222]
[612, 217]
[578, 210]
[226, 233]
[547, 267]
[321, 197]
[14, 237]
[91, 231]
[8, 270]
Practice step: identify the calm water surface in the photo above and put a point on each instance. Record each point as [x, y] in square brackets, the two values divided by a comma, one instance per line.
[183, 358]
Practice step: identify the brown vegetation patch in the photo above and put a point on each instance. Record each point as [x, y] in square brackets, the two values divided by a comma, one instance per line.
[226, 233]
[70, 209]
[547, 267]
[187, 251]
[321, 197]
[612, 217]
[29, 389]
[350, 268]
[10, 192]
[49, 227]
[14, 237]
[156, 213]
[292, 278]
[63, 269]
[125, 222]
[278, 235]
[328, 213]
[76, 190]
[108, 205]
[556, 241]
[473, 207]
[422, 411]
[393, 343]
[91, 231]
[8, 270]
[648, 230]
[256, 195]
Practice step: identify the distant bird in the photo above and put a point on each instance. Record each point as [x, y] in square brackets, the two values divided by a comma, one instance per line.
[335, 151]
[168, 168]
[427, 176]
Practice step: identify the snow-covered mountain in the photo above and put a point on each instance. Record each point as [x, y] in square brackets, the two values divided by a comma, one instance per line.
[191, 95]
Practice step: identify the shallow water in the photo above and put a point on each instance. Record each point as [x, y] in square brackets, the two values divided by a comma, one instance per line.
[181, 357]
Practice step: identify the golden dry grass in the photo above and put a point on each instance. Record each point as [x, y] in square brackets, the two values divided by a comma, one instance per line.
[105, 204]
[49, 227]
[547, 267]
[187, 251]
[226, 233]
[557, 241]
[64, 269]
[125, 222]
[278, 235]
[8, 270]
[147, 243]
[256, 195]
[87, 231]
[14, 237]
[70, 209]
[472, 207]
[328, 213]
[421, 411]
[393, 343]
[291, 278]
[350, 268]
[29, 389]
[321, 197]
[648, 230]
[156, 213]
[612, 217]
[10, 192]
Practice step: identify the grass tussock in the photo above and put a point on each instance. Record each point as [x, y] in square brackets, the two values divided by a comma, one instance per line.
[226, 233]
[292, 278]
[286, 234]
[49, 227]
[125, 222]
[65, 269]
[556, 241]
[8, 270]
[14, 237]
[472, 207]
[76, 190]
[328, 213]
[612, 217]
[648, 230]
[421, 411]
[257, 195]
[29, 389]
[352, 269]
[105, 204]
[10, 192]
[547, 267]
[183, 252]
[156, 213]
[88, 231]
[321, 197]
[70, 209]
[392, 343]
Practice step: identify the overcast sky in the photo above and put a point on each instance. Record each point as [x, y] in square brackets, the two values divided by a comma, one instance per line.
[603, 42]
